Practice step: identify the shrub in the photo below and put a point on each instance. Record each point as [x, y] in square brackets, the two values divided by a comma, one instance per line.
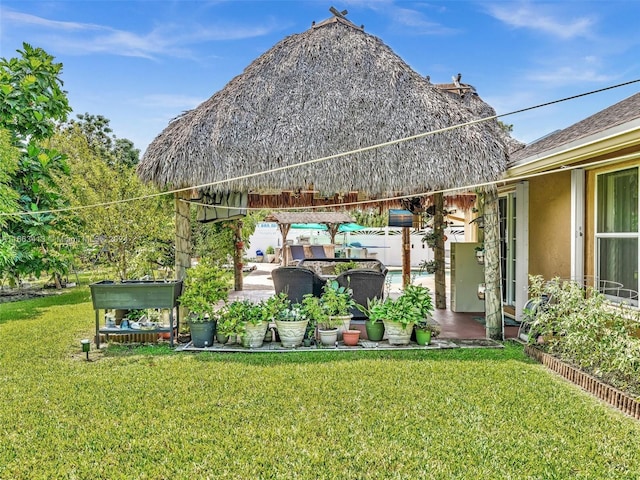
[579, 325]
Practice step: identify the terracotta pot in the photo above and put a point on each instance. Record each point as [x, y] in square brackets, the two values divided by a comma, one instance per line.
[351, 337]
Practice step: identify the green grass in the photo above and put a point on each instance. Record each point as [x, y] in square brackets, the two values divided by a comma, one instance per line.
[150, 413]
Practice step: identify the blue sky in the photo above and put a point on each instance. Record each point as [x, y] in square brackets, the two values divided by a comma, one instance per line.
[141, 63]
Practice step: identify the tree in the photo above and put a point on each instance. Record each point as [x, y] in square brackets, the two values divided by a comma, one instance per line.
[31, 103]
[31, 95]
[112, 150]
[133, 238]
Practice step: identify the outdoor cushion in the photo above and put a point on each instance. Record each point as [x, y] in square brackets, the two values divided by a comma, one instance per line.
[326, 266]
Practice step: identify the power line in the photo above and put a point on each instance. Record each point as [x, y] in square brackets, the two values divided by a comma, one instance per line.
[339, 155]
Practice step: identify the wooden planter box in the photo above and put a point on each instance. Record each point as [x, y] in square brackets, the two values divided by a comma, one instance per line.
[614, 397]
[136, 294]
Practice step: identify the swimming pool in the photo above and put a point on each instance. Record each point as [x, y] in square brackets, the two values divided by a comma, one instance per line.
[395, 276]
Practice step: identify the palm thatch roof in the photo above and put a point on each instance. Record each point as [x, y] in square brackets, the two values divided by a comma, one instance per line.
[310, 217]
[330, 89]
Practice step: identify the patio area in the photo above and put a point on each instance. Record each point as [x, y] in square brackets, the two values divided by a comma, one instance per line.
[453, 326]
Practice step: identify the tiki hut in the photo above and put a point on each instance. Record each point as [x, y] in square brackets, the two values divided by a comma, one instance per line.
[330, 89]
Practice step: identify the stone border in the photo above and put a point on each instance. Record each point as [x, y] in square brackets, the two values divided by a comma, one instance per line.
[363, 345]
[611, 395]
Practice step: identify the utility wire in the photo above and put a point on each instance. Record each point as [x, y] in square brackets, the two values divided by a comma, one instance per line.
[338, 155]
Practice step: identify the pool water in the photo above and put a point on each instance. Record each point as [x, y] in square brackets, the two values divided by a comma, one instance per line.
[395, 276]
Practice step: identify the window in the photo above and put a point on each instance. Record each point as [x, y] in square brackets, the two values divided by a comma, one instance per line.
[507, 209]
[617, 234]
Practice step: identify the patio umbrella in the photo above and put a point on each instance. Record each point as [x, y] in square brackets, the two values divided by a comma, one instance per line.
[309, 226]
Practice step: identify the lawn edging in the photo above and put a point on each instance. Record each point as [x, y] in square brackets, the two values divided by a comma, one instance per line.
[611, 395]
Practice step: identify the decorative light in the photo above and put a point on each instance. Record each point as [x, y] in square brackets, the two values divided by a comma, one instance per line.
[86, 346]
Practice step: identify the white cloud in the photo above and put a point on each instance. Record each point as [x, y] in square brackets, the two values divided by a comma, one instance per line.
[419, 22]
[18, 18]
[569, 75]
[166, 40]
[525, 15]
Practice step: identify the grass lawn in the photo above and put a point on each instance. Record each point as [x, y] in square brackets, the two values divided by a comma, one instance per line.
[151, 414]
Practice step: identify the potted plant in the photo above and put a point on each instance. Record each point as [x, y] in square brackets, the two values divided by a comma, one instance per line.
[375, 312]
[271, 254]
[420, 296]
[425, 331]
[429, 266]
[344, 266]
[251, 325]
[336, 302]
[480, 254]
[292, 324]
[400, 317]
[205, 286]
[227, 326]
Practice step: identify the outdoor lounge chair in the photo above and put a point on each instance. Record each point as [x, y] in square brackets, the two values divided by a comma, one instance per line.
[296, 282]
[297, 254]
[366, 284]
[318, 251]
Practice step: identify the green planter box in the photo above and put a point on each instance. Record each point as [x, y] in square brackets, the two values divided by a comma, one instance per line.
[136, 294]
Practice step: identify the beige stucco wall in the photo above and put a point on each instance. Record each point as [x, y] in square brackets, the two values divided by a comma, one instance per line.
[550, 225]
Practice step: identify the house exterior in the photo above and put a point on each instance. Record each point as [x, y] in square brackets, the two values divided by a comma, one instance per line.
[570, 207]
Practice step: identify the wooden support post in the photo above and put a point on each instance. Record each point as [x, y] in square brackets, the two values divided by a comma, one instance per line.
[238, 252]
[406, 256]
[182, 235]
[493, 296]
[439, 256]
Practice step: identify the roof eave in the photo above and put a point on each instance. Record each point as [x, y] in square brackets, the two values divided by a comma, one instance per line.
[602, 143]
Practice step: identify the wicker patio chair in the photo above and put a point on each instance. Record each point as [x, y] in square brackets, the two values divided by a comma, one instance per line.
[296, 282]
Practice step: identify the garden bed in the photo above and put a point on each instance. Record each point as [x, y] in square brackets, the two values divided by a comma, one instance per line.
[614, 397]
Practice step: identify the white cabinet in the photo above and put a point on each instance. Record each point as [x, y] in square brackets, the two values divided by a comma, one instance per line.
[466, 275]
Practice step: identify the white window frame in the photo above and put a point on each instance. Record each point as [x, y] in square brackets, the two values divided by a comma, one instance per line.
[598, 236]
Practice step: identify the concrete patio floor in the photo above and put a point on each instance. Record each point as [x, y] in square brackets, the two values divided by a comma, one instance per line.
[453, 325]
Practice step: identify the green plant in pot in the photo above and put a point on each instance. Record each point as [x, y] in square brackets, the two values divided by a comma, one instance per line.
[420, 296]
[344, 266]
[228, 326]
[376, 313]
[327, 326]
[251, 323]
[205, 286]
[337, 301]
[425, 331]
[292, 325]
[401, 315]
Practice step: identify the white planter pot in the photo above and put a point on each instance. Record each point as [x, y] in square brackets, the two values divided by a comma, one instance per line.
[254, 335]
[328, 337]
[291, 333]
[396, 333]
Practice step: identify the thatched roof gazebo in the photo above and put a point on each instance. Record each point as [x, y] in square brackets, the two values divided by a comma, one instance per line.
[332, 220]
[330, 89]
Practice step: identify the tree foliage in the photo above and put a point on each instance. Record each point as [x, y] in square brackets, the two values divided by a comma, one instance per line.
[31, 95]
[31, 103]
[115, 152]
[130, 239]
